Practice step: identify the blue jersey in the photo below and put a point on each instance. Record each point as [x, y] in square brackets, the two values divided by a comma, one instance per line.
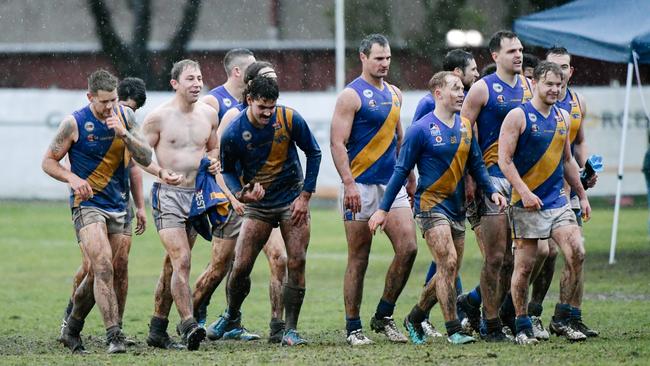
[502, 99]
[372, 144]
[425, 105]
[268, 156]
[101, 158]
[539, 157]
[225, 100]
[441, 154]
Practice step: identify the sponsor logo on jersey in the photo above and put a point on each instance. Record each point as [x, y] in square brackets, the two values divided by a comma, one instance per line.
[246, 135]
[89, 126]
[367, 93]
[532, 117]
[227, 102]
[497, 88]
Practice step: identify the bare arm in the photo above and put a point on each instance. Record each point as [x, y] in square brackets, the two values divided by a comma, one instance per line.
[346, 106]
[513, 126]
[65, 136]
[135, 176]
[476, 99]
[213, 153]
[580, 145]
[132, 136]
[225, 120]
[211, 101]
[572, 175]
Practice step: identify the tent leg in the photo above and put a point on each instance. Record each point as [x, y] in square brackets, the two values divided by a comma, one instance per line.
[621, 160]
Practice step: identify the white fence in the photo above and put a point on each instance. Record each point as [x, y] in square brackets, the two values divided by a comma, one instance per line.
[29, 117]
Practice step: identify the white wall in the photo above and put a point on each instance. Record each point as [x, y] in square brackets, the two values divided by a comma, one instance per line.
[29, 117]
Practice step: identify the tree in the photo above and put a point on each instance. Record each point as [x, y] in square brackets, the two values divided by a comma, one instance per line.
[134, 58]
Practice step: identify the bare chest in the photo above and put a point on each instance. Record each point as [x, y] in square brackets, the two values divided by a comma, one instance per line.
[185, 133]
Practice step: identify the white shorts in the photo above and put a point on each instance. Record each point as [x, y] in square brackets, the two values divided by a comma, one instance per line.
[503, 187]
[539, 224]
[371, 196]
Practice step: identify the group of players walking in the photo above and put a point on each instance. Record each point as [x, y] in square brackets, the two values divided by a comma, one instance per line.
[503, 151]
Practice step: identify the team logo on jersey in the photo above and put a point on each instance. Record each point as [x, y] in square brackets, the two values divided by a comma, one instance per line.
[534, 128]
[575, 116]
[438, 140]
[434, 130]
[532, 117]
[397, 103]
[246, 135]
[367, 93]
[227, 102]
[497, 88]
[500, 98]
[91, 138]
[453, 140]
[372, 103]
[89, 126]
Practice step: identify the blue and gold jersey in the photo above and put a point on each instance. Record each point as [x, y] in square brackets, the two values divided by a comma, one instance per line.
[502, 99]
[101, 158]
[372, 144]
[539, 157]
[226, 101]
[571, 104]
[268, 156]
[441, 154]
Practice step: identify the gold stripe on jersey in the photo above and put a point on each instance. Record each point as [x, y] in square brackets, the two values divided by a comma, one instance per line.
[279, 149]
[491, 154]
[448, 181]
[379, 143]
[575, 117]
[547, 163]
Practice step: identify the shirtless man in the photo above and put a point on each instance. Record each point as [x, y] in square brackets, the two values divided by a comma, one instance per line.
[181, 131]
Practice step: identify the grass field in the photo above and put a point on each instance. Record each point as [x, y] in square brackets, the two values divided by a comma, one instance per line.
[38, 256]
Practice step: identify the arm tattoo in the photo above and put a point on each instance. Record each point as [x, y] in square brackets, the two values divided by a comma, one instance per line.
[63, 134]
[135, 142]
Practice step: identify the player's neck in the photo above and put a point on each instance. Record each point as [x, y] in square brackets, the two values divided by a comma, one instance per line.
[509, 78]
[445, 115]
[543, 108]
[99, 118]
[376, 82]
[183, 105]
[233, 89]
[563, 92]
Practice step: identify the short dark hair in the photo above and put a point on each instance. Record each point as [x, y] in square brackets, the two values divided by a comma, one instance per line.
[101, 80]
[366, 43]
[254, 69]
[544, 67]
[262, 87]
[439, 80]
[456, 59]
[232, 57]
[132, 88]
[529, 61]
[495, 41]
[181, 65]
[488, 69]
[558, 50]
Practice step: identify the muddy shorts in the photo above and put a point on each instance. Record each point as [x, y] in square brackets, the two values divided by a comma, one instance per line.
[85, 215]
[429, 220]
[171, 206]
[371, 196]
[539, 224]
[229, 229]
[271, 216]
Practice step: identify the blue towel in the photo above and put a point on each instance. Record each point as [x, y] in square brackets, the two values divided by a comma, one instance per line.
[210, 205]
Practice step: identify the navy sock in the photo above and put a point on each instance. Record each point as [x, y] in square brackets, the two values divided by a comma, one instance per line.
[384, 309]
[474, 297]
[535, 309]
[68, 309]
[432, 271]
[562, 312]
[352, 324]
[453, 327]
[523, 322]
[575, 313]
[417, 315]
[459, 286]
[493, 325]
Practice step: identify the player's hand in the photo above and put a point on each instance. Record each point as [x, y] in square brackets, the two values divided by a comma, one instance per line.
[237, 206]
[300, 209]
[411, 188]
[470, 188]
[377, 220]
[591, 182]
[351, 197]
[215, 166]
[81, 188]
[585, 207]
[170, 177]
[141, 221]
[113, 122]
[251, 193]
[531, 201]
[498, 199]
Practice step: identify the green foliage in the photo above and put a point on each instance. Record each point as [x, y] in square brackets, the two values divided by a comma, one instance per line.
[38, 256]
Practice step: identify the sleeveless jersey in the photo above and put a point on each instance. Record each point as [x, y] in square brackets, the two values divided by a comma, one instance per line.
[101, 159]
[372, 144]
[539, 157]
[571, 104]
[502, 99]
[226, 101]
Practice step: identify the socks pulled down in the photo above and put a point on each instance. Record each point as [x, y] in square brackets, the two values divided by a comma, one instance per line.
[384, 309]
[535, 309]
[417, 315]
[474, 297]
[453, 327]
[562, 312]
[523, 322]
[74, 326]
[293, 297]
[158, 325]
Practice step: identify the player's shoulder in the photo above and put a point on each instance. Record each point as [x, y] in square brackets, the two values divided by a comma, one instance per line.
[348, 98]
